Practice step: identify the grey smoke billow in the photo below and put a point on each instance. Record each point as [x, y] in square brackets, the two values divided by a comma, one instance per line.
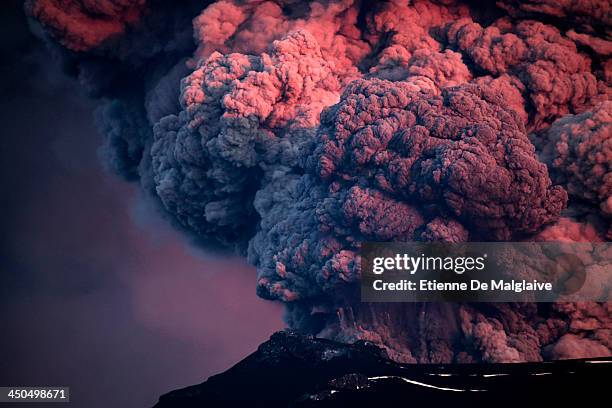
[208, 161]
[578, 149]
[292, 131]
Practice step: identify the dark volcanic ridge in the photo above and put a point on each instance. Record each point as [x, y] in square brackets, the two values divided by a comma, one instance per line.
[294, 370]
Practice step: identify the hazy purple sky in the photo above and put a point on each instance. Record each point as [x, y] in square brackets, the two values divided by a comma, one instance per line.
[98, 293]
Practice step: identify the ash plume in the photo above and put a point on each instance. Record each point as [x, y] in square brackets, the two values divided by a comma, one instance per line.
[293, 131]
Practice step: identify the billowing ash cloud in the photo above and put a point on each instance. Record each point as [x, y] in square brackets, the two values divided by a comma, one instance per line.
[396, 161]
[241, 116]
[555, 78]
[293, 131]
[578, 149]
[81, 26]
[590, 14]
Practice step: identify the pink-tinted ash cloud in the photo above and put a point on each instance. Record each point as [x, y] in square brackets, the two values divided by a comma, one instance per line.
[293, 131]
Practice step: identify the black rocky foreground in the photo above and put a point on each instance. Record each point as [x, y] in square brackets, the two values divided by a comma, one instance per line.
[293, 370]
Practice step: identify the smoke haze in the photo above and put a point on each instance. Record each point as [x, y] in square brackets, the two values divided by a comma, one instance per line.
[98, 293]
